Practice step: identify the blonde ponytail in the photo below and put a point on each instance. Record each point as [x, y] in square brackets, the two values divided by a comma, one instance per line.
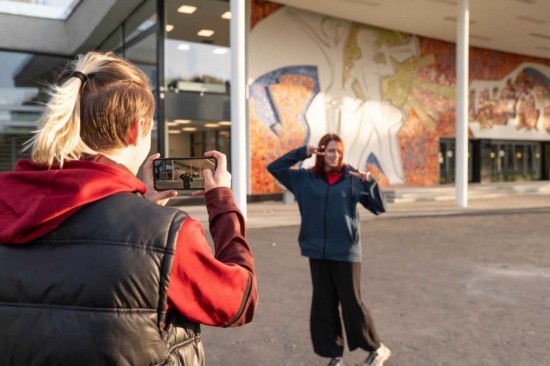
[91, 111]
[58, 137]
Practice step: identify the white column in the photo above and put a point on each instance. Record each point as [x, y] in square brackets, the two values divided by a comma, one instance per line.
[462, 44]
[239, 119]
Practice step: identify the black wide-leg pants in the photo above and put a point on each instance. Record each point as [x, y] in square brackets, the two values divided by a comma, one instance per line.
[339, 283]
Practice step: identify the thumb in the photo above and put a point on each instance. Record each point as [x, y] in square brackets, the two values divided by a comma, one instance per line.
[208, 178]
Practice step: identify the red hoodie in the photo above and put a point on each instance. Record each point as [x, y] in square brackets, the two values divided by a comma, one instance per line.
[204, 288]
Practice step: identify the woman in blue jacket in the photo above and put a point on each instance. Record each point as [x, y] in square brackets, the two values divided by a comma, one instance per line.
[327, 197]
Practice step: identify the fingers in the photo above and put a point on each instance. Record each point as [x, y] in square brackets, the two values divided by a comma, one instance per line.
[320, 151]
[208, 179]
[220, 159]
[221, 177]
[314, 150]
[148, 170]
[364, 176]
[160, 198]
[197, 193]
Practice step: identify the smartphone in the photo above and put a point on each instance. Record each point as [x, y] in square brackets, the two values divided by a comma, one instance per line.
[183, 174]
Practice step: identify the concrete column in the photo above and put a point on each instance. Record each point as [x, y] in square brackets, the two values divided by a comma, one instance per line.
[462, 44]
[239, 118]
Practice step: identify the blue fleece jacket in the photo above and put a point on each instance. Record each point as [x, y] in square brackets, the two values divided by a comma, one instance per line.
[330, 221]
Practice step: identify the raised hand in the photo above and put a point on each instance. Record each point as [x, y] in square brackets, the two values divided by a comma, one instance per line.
[314, 150]
[220, 178]
[364, 176]
[162, 197]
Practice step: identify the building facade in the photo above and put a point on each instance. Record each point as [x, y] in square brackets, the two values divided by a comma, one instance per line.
[390, 95]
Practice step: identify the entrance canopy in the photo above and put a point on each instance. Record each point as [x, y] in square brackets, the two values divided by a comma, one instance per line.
[515, 26]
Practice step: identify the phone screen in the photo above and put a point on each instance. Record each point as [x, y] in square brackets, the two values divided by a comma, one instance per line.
[184, 174]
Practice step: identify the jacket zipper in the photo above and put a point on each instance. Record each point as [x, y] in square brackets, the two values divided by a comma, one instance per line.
[325, 224]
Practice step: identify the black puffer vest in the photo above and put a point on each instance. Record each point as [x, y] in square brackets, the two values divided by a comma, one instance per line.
[93, 291]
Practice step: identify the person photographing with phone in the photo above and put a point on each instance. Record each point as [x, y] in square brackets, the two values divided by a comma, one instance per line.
[327, 196]
[95, 271]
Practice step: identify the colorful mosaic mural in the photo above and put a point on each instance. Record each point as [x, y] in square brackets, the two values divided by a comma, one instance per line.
[278, 102]
[389, 95]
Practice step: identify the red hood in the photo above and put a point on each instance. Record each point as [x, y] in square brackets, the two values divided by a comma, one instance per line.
[35, 200]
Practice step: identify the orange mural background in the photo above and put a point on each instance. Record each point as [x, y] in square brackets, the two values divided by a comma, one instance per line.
[423, 88]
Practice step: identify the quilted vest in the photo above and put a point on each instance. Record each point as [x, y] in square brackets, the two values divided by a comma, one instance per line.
[94, 291]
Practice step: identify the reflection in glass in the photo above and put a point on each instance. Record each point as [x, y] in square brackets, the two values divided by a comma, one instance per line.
[23, 80]
[197, 46]
[197, 67]
[143, 20]
[197, 74]
[143, 54]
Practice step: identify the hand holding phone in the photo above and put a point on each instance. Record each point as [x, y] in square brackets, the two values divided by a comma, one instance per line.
[220, 177]
[162, 197]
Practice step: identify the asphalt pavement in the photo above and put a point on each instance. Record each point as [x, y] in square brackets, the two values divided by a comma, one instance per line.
[445, 285]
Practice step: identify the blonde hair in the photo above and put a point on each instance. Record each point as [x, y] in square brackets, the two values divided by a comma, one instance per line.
[91, 111]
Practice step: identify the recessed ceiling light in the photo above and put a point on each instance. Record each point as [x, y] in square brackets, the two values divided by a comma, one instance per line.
[182, 121]
[211, 125]
[174, 132]
[189, 129]
[226, 15]
[224, 123]
[169, 27]
[205, 33]
[187, 9]
[220, 51]
[183, 47]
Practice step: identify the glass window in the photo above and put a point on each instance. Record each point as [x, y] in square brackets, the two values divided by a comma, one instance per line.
[114, 42]
[197, 46]
[197, 73]
[144, 20]
[23, 80]
[143, 54]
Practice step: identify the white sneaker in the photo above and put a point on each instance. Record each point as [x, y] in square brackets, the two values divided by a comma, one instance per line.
[378, 357]
[336, 361]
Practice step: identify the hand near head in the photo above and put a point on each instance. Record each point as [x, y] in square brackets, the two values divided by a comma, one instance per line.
[313, 150]
[219, 178]
[364, 176]
[162, 197]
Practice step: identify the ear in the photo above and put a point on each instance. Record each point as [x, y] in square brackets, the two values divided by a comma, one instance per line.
[134, 131]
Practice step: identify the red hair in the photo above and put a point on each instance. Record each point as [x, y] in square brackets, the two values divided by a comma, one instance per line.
[319, 167]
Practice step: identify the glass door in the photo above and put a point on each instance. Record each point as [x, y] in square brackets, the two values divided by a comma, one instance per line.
[515, 160]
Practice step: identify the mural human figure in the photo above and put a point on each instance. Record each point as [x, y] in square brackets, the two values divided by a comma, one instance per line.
[518, 109]
[329, 34]
[362, 117]
[375, 137]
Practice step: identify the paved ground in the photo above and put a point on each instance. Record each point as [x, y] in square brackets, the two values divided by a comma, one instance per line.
[446, 286]
[274, 214]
